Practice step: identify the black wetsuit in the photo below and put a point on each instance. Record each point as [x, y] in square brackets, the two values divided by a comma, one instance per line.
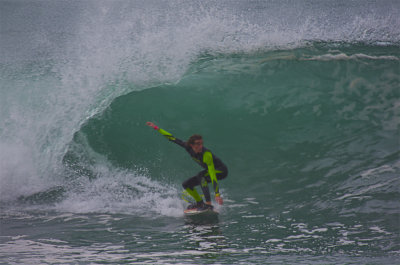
[214, 168]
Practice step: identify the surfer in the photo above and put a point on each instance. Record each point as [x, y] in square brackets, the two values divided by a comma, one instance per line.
[214, 169]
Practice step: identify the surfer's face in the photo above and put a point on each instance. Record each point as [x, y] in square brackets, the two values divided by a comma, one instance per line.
[197, 146]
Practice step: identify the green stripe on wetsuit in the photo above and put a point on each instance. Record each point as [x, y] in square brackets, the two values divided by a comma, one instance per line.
[194, 194]
[208, 160]
[167, 134]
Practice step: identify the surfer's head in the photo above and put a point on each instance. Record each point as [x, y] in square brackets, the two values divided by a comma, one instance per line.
[196, 143]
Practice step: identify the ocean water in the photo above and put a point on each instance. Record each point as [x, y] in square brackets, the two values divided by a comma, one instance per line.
[301, 100]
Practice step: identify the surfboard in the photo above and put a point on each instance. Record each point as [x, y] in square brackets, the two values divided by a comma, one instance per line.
[201, 217]
[196, 212]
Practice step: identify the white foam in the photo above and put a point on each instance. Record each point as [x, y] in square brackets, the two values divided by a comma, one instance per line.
[122, 191]
[343, 56]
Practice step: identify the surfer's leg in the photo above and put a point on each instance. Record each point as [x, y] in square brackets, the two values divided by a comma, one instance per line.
[199, 179]
[203, 181]
[189, 185]
[205, 189]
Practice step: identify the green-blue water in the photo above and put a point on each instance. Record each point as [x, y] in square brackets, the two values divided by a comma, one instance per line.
[300, 100]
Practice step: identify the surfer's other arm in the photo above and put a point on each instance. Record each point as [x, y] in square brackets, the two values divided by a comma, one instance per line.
[208, 160]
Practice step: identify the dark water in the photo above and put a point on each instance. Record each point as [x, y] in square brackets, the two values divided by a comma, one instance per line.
[300, 100]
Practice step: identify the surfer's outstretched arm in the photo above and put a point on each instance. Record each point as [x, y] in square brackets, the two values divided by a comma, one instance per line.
[166, 134]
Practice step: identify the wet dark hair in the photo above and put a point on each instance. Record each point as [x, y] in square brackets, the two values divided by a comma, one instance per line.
[194, 138]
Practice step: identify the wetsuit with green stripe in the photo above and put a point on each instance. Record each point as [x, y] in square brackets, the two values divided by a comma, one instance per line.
[214, 169]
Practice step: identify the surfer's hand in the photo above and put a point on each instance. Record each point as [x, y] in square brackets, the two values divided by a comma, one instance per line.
[152, 125]
[219, 199]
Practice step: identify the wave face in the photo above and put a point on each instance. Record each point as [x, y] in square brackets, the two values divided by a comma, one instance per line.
[300, 100]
